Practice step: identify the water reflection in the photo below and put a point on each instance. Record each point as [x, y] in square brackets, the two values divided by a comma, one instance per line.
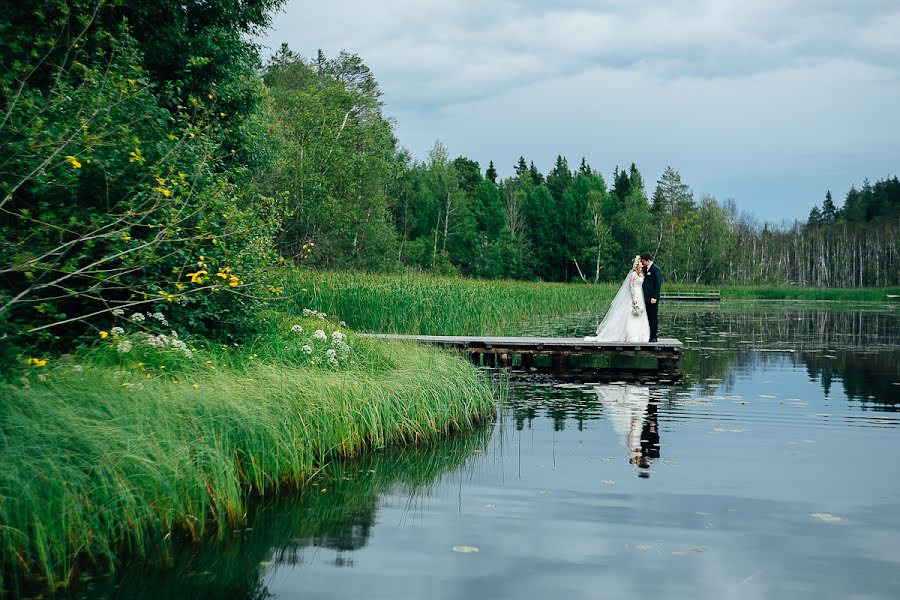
[777, 419]
[328, 522]
[634, 419]
[857, 349]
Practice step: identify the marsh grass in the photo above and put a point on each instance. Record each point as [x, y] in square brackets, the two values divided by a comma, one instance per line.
[415, 303]
[808, 293]
[428, 305]
[107, 456]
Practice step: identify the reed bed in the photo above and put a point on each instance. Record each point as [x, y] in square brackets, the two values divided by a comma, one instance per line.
[808, 293]
[416, 303]
[104, 462]
[428, 305]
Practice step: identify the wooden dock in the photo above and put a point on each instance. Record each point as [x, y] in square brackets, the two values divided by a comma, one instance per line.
[707, 296]
[562, 358]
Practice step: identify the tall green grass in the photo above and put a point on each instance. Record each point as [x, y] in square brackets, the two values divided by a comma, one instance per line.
[104, 460]
[808, 293]
[430, 305]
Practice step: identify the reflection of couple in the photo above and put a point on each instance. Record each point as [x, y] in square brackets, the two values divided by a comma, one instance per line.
[633, 418]
[633, 315]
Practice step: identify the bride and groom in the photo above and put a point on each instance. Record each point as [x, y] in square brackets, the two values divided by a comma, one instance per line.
[633, 315]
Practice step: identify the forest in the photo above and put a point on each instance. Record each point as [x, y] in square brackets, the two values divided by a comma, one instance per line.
[149, 158]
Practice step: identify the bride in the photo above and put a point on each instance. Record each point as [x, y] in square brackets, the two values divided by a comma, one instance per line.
[626, 319]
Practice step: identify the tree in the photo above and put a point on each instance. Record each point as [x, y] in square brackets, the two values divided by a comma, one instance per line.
[336, 157]
[521, 166]
[536, 176]
[559, 178]
[815, 217]
[829, 212]
[491, 173]
[469, 173]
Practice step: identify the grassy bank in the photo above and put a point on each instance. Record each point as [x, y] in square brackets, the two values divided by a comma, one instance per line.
[107, 453]
[429, 305]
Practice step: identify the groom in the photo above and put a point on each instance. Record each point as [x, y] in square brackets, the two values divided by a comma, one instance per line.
[652, 286]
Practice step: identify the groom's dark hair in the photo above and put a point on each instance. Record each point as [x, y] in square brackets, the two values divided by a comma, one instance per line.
[646, 256]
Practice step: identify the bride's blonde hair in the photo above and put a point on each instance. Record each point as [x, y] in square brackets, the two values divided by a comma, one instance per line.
[636, 265]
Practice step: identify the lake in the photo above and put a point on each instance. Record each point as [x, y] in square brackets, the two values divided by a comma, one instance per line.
[768, 472]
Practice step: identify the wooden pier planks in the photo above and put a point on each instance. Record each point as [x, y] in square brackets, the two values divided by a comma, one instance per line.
[498, 351]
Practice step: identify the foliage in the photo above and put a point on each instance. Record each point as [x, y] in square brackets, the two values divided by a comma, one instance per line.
[191, 440]
[120, 188]
[336, 157]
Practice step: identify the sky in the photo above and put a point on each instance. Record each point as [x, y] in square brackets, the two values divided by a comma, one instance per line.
[768, 103]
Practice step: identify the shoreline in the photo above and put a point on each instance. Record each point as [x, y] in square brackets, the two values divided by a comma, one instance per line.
[107, 462]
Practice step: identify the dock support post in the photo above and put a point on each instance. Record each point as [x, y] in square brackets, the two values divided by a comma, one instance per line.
[527, 362]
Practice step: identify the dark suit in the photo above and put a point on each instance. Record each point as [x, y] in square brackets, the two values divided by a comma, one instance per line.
[652, 287]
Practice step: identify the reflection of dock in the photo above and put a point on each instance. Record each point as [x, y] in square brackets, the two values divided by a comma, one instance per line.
[566, 358]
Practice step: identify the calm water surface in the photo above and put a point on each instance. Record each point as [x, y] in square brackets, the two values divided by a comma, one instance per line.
[769, 472]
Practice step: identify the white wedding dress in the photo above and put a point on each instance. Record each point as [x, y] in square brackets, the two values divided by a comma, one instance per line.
[620, 324]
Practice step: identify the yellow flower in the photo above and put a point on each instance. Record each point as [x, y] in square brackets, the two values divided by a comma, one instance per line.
[135, 156]
[224, 273]
[179, 286]
[197, 276]
[196, 386]
[169, 297]
[162, 191]
[104, 335]
[233, 281]
[73, 161]
[37, 362]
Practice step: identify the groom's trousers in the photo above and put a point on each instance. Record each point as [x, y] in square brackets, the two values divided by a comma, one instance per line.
[653, 318]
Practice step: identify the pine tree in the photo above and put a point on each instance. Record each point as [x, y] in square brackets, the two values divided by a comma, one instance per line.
[829, 212]
[815, 217]
[584, 168]
[621, 185]
[491, 173]
[521, 166]
[536, 175]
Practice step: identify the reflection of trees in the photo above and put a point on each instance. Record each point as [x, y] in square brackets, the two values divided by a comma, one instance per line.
[336, 510]
[856, 347]
[867, 378]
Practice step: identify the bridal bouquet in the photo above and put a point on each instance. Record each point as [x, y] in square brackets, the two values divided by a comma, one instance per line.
[636, 310]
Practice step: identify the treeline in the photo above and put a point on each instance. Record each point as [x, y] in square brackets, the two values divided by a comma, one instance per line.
[149, 159]
[365, 203]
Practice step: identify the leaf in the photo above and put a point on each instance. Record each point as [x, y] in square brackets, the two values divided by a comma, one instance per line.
[828, 518]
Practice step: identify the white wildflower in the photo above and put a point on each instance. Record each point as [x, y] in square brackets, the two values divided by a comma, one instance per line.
[124, 347]
[137, 317]
[321, 315]
[343, 324]
[337, 336]
[307, 349]
[160, 317]
[117, 331]
[308, 313]
[320, 335]
[78, 368]
[296, 328]
[118, 312]
[331, 352]
[332, 361]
